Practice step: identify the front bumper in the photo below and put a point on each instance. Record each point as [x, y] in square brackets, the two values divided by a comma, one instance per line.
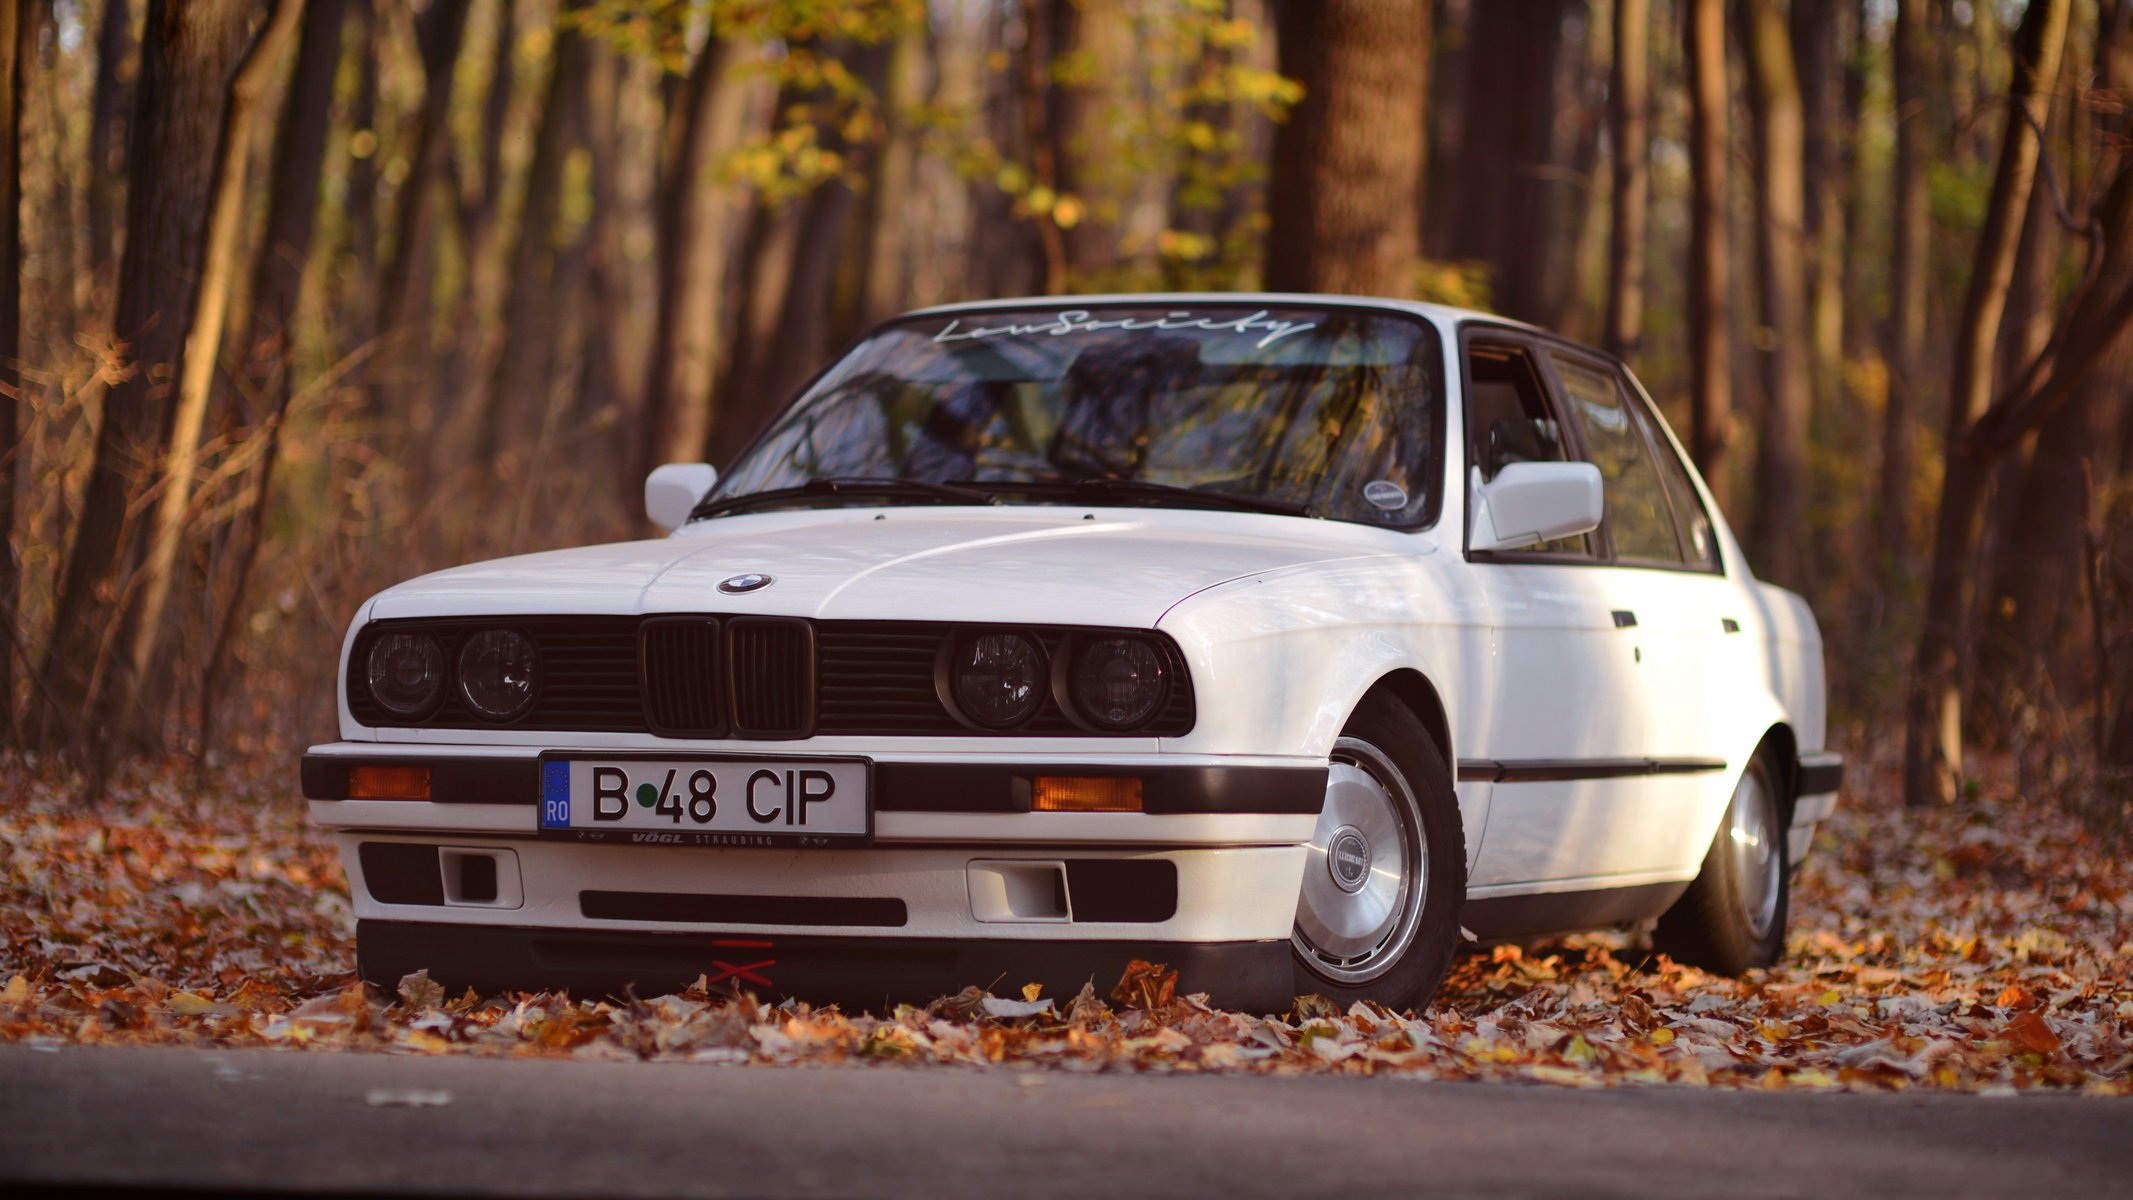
[962, 884]
[1817, 779]
[859, 973]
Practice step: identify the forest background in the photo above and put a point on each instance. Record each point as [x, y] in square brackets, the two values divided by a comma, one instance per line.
[308, 296]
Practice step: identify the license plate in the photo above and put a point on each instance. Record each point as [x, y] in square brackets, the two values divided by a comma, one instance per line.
[708, 801]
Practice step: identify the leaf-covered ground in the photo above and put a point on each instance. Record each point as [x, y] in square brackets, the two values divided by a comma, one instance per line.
[1986, 948]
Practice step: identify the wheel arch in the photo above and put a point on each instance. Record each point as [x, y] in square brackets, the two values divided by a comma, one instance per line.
[1782, 743]
[1410, 688]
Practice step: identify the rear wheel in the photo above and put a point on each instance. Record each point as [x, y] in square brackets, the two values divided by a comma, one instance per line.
[1378, 916]
[1732, 919]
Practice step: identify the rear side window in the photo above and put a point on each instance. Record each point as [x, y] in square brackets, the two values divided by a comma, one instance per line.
[1639, 517]
[1697, 535]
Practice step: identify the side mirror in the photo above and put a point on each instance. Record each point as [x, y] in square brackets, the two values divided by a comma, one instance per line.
[672, 490]
[1533, 502]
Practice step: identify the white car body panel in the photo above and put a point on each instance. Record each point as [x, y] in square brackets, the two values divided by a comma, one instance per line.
[1284, 625]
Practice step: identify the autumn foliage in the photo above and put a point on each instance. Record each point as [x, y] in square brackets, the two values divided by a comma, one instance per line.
[1927, 951]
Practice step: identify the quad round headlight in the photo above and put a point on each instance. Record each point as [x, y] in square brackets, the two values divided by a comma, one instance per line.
[496, 670]
[406, 673]
[1117, 682]
[999, 678]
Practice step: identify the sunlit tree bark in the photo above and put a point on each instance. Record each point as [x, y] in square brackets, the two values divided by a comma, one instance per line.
[187, 52]
[1710, 335]
[1347, 172]
[219, 259]
[279, 268]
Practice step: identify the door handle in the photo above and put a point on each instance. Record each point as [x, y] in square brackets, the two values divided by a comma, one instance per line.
[1624, 618]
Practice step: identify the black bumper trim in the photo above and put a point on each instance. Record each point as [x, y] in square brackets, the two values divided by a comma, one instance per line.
[898, 786]
[1506, 918]
[1556, 770]
[1820, 774]
[859, 973]
[452, 780]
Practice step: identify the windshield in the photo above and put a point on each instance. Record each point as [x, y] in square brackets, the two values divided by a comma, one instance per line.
[1330, 410]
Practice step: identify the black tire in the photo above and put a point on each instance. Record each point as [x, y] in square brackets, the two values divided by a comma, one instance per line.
[1391, 745]
[1710, 926]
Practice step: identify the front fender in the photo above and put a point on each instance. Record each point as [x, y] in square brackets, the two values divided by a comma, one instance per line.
[1280, 660]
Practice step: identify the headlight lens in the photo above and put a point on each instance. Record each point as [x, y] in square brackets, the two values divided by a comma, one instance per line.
[496, 671]
[1118, 682]
[406, 673]
[999, 678]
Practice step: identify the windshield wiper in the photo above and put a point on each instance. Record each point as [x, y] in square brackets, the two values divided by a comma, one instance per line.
[849, 485]
[1103, 488]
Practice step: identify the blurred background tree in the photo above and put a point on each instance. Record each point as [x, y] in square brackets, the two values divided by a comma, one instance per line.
[310, 295]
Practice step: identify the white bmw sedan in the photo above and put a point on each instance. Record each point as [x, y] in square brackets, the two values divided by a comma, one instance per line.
[1287, 640]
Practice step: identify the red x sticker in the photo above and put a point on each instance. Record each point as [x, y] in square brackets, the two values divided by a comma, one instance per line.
[741, 974]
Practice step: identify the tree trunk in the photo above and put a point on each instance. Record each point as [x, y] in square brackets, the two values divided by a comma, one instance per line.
[800, 265]
[444, 27]
[1629, 115]
[519, 385]
[1904, 340]
[278, 272]
[696, 219]
[17, 44]
[1933, 751]
[266, 332]
[614, 362]
[1347, 169]
[881, 286]
[1710, 335]
[765, 274]
[1816, 26]
[363, 166]
[187, 51]
[108, 116]
[203, 344]
[1777, 531]
[1089, 42]
[495, 115]
[1508, 179]
[2034, 630]
[1447, 173]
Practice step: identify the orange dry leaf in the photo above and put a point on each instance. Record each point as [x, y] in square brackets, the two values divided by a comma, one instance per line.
[2030, 1032]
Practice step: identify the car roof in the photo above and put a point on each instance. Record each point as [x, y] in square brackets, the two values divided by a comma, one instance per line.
[1443, 314]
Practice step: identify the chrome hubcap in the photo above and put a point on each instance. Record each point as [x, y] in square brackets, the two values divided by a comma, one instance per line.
[1367, 875]
[1758, 868]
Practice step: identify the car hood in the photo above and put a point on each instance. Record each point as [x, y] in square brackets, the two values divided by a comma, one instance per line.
[1059, 565]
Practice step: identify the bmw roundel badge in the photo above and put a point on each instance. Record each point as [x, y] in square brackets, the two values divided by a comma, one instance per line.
[744, 583]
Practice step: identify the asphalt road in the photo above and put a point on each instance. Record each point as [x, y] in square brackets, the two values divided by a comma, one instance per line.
[114, 1120]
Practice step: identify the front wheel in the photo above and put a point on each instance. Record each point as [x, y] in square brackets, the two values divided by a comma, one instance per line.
[1378, 916]
[1732, 918]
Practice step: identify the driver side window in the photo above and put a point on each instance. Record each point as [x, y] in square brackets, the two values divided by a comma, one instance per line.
[1508, 420]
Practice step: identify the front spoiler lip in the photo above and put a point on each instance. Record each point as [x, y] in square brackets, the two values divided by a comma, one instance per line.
[859, 972]
[917, 787]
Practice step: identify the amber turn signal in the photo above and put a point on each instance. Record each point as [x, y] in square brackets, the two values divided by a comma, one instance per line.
[1083, 793]
[388, 783]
